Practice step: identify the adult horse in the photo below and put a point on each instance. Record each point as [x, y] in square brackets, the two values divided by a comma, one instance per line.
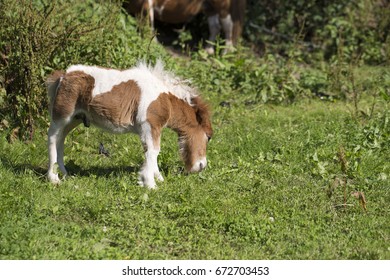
[228, 14]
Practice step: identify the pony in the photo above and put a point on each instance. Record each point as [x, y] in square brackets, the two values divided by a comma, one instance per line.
[228, 13]
[143, 100]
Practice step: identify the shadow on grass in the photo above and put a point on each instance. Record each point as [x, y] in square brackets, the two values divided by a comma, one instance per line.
[101, 171]
[72, 168]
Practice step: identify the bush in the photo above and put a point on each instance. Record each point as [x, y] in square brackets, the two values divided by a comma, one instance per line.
[33, 33]
[39, 36]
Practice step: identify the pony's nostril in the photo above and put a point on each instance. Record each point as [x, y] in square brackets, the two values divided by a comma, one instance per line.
[201, 165]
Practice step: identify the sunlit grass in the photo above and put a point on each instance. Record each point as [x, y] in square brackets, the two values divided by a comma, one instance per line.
[264, 195]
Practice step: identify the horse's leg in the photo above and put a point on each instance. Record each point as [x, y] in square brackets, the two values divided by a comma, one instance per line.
[214, 29]
[151, 13]
[60, 143]
[152, 149]
[156, 133]
[227, 26]
[53, 134]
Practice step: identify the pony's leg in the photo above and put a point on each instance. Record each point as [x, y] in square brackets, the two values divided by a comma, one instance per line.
[150, 167]
[227, 26]
[53, 134]
[214, 29]
[156, 147]
[60, 143]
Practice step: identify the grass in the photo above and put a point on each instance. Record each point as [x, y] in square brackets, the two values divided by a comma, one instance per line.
[265, 194]
[281, 181]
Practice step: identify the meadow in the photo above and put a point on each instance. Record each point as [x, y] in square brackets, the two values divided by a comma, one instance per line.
[299, 166]
[265, 194]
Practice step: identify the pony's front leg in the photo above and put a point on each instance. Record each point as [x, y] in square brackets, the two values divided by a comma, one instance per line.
[151, 141]
[60, 143]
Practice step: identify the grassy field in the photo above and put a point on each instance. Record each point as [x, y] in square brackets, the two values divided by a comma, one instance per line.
[273, 190]
[299, 164]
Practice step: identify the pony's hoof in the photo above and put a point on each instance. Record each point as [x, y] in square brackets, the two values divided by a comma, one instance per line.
[149, 185]
[159, 177]
[53, 178]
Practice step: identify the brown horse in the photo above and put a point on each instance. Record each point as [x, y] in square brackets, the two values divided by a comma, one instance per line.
[226, 13]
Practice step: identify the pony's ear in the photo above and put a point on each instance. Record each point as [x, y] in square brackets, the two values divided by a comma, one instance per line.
[202, 113]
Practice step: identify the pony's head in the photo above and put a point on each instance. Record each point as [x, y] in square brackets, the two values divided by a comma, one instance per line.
[194, 142]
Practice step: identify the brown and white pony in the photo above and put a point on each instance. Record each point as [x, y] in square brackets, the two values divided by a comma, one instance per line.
[228, 13]
[142, 100]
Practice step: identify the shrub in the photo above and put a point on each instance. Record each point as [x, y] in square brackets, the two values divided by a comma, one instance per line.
[39, 36]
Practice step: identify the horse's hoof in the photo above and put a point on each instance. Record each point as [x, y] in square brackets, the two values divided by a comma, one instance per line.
[159, 177]
[53, 178]
[210, 50]
[149, 185]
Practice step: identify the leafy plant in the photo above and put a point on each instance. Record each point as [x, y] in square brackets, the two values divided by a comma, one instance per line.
[32, 35]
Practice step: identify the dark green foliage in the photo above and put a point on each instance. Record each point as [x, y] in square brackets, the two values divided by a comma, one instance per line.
[34, 36]
[320, 28]
[39, 36]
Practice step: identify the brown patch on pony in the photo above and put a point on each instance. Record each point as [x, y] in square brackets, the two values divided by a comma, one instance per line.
[75, 89]
[203, 115]
[158, 114]
[120, 105]
[191, 122]
[52, 83]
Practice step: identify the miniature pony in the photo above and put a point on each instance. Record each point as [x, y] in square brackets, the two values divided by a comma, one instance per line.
[142, 100]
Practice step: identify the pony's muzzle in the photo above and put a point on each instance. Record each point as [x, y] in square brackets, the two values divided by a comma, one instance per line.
[199, 165]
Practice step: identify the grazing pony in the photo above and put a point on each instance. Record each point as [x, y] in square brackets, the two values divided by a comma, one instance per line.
[142, 100]
[228, 13]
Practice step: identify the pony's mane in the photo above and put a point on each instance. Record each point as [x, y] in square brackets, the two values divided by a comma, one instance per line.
[181, 88]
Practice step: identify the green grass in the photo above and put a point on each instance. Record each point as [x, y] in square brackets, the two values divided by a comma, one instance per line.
[274, 187]
[263, 196]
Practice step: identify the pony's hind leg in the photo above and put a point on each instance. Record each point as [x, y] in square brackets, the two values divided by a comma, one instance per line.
[60, 143]
[53, 134]
[56, 137]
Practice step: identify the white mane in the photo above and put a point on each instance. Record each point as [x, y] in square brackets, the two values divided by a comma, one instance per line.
[179, 87]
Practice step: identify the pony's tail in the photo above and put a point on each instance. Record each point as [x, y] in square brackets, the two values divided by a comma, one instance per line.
[237, 11]
[52, 84]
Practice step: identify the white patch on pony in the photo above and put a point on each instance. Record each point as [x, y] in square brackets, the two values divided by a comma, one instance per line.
[199, 165]
[152, 80]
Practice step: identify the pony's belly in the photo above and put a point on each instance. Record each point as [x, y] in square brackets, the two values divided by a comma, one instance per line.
[110, 126]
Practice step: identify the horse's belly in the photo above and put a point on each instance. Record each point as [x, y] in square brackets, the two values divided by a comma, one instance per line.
[113, 126]
[177, 11]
